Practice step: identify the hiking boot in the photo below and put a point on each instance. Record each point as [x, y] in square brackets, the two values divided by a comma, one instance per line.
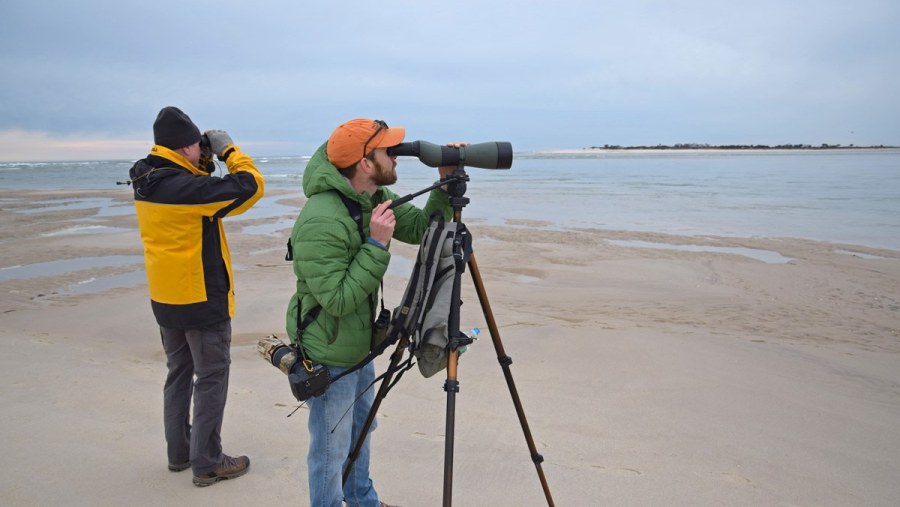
[229, 468]
[178, 467]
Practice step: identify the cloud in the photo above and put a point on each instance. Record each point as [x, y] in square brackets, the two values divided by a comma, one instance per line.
[543, 75]
[21, 145]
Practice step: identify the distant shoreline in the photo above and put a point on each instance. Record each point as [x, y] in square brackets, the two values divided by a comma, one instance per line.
[691, 149]
[678, 149]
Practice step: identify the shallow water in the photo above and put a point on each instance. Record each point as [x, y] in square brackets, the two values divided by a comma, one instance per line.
[850, 197]
[65, 266]
[767, 256]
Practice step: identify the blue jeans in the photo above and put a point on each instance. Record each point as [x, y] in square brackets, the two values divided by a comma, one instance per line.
[329, 451]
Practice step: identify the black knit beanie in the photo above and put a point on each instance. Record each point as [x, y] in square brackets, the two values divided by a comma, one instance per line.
[174, 129]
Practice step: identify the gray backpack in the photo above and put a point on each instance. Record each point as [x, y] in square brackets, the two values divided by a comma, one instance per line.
[423, 312]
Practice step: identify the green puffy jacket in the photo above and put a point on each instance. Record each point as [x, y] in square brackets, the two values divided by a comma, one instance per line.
[336, 269]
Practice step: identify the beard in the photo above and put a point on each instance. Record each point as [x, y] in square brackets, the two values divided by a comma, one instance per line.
[384, 175]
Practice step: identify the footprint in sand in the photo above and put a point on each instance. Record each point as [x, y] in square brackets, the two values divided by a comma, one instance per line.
[621, 472]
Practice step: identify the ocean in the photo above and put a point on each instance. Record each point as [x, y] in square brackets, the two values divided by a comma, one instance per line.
[842, 196]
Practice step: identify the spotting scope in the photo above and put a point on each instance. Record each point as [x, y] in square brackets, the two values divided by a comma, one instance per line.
[490, 155]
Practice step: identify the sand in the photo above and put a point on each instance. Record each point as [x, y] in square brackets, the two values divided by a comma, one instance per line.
[648, 376]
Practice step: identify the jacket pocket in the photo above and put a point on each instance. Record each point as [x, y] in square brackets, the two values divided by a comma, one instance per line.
[333, 336]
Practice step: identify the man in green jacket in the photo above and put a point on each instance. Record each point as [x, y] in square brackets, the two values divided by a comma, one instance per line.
[339, 270]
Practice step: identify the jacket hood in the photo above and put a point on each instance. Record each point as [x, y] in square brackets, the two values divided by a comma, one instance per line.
[321, 175]
[145, 173]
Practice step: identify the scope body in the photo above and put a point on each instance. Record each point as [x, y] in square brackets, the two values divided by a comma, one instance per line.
[490, 155]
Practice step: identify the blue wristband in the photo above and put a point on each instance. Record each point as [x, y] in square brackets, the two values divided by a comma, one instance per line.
[376, 243]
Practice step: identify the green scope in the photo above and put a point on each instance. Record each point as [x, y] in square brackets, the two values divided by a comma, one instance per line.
[490, 155]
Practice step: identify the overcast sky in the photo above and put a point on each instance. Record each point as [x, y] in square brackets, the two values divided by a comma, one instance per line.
[84, 79]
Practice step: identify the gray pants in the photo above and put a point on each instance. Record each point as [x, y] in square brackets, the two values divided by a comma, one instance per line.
[206, 354]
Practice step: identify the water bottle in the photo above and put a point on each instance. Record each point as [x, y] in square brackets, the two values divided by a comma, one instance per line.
[473, 334]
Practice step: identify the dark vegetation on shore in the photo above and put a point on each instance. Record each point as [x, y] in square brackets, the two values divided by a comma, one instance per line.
[696, 146]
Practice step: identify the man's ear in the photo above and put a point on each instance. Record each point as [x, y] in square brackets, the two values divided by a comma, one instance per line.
[365, 165]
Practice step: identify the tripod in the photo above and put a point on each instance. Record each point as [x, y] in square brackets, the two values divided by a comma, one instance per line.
[456, 187]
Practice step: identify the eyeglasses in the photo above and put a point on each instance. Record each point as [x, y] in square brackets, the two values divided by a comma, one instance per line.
[381, 126]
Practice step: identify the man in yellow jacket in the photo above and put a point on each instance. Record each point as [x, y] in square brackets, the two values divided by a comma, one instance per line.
[180, 207]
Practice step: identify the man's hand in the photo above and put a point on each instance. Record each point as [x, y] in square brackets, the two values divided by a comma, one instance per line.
[382, 223]
[218, 141]
[447, 170]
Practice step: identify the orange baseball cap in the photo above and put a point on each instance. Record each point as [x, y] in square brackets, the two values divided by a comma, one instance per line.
[353, 140]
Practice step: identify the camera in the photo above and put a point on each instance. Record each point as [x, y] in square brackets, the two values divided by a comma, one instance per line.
[490, 155]
[307, 384]
[380, 327]
[306, 381]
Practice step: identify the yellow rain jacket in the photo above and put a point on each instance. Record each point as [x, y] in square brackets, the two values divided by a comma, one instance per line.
[179, 211]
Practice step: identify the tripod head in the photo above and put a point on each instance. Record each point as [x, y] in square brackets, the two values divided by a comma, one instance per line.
[456, 187]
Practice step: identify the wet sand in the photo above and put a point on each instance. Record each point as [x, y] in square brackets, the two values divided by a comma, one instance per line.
[649, 375]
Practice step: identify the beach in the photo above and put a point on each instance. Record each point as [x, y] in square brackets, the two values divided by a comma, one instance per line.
[650, 373]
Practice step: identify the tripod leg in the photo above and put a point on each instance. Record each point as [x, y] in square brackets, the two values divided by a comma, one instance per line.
[505, 361]
[452, 387]
[455, 338]
[396, 357]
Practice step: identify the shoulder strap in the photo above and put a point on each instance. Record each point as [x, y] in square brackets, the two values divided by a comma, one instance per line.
[302, 325]
[310, 317]
[355, 212]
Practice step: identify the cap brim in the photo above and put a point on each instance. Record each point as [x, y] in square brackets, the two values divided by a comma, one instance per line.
[393, 137]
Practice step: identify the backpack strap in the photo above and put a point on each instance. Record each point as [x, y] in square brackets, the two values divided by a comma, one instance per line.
[411, 309]
[432, 261]
[355, 212]
[289, 256]
[377, 351]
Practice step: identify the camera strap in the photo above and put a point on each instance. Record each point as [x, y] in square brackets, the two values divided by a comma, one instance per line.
[301, 327]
